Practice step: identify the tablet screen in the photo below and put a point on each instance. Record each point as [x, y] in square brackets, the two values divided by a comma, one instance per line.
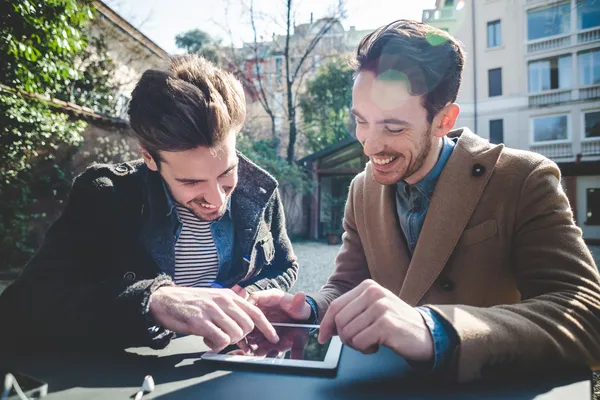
[295, 343]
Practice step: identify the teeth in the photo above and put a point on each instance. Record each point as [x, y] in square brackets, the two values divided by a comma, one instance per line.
[209, 206]
[383, 161]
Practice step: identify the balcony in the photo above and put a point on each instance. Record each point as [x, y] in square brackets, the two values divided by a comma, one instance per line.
[589, 92]
[588, 35]
[548, 44]
[560, 96]
[530, 3]
[554, 150]
[550, 97]
[562, 41]
[590, 147]
[441, 14]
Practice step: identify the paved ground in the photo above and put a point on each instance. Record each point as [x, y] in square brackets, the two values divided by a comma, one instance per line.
[316, 264]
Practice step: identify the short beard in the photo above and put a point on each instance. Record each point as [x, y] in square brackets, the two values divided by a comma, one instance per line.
[422, 156]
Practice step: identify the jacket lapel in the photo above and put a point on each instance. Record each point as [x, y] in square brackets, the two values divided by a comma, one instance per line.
[160, 225]
[456, 195]
[386, 235]
[248, 202]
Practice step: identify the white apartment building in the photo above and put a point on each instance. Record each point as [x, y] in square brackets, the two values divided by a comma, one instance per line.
[532, 81]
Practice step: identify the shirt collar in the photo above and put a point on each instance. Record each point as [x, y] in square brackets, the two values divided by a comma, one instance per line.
[427, 184]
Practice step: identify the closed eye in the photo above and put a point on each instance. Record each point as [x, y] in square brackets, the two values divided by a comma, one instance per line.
[397, 130]
[192, 183]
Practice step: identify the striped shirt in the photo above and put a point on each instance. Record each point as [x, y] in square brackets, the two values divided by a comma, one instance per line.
[196, 258]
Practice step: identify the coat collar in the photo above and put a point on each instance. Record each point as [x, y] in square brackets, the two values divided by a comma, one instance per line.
[455, 197]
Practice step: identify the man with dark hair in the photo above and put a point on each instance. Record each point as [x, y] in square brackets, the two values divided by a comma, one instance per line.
[460, 255]
[148, 248]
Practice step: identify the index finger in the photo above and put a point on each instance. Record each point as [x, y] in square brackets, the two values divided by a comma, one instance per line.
[327, 328]
[260, 321]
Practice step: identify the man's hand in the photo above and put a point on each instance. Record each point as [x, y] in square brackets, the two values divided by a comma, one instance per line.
[279, 306]
[221, 316]
[370, 315]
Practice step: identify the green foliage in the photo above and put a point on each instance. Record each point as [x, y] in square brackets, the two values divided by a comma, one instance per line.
[326, 105]
[92, 87]
[199, 42]
[40, 44]
[264, 154]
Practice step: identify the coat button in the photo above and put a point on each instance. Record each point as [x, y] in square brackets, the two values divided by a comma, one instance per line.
[478, 170]
[129, 276]
[446, 284]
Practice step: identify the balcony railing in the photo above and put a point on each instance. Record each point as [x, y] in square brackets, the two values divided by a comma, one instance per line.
[551, 97]
[589, 35]
[545, 2]
[554, 150]
[440, 14]
[589, 92]
[547, 44]
[559, 96]
[590, 147]
[563, 41]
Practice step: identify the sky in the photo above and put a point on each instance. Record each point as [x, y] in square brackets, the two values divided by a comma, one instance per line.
[162, 20]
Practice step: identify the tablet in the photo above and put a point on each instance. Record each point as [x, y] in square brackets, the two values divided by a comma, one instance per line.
[298, 348]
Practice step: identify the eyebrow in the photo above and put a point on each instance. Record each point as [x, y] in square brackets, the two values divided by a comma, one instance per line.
[187, 180]
[391, 121]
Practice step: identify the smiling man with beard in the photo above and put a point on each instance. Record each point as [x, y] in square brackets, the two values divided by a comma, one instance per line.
[460, 255]
[169, 244]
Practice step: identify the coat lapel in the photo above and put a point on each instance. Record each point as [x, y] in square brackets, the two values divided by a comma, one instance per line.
[455, 197]
[160, 225]
[387, 234]
[248, 202]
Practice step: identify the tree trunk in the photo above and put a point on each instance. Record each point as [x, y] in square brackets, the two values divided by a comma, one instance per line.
[292, 121]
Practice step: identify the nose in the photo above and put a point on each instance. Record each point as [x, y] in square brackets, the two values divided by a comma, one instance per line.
[216, 195]
[372, 145]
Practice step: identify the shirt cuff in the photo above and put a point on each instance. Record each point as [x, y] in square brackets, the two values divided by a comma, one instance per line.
[443, 341]
[314, 311]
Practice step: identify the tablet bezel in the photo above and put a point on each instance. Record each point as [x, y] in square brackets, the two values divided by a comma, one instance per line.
[329, 363]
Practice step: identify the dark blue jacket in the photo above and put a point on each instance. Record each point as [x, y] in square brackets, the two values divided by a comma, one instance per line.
[114, 244]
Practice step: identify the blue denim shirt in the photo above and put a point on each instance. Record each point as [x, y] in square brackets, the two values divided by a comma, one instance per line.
[222, 233]
[412, 203]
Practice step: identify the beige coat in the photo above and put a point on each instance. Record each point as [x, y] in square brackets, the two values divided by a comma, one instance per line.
[499, 257]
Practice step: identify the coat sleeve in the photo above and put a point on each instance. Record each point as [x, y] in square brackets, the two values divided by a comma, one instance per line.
[282, 272]
[67, 293]
[350, 264]
[557, 322]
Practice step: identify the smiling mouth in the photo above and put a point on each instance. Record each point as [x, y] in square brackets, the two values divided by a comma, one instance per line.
[383, 160]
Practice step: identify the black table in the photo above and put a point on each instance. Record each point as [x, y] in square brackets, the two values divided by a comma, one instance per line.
[180, 374]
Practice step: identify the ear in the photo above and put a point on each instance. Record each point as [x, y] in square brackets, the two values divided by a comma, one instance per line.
[444, 121]
[150, 163]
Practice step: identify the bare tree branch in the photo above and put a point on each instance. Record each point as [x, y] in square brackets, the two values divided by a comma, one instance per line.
[256, 61]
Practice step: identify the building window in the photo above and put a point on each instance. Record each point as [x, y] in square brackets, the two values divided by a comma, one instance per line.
[589, 67]
[548, 129]
[592, 124]
[495, 82]
[588, 14]
[494, 34]
[497, 131]
[593, 206]
[549, 21]
[551, 73]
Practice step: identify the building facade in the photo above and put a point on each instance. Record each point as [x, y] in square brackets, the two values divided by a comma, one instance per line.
[532, 82]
